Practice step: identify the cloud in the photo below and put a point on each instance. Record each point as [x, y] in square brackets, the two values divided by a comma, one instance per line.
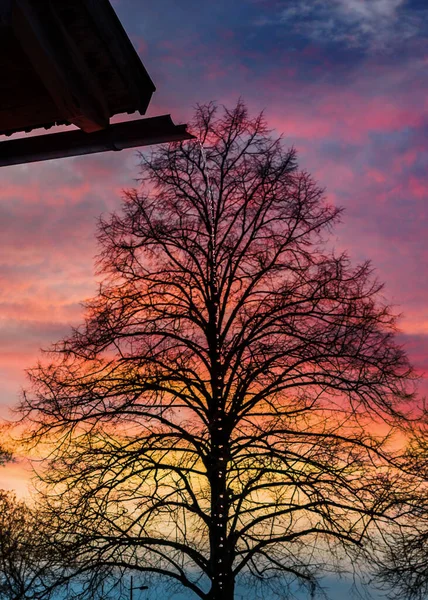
[376, 24]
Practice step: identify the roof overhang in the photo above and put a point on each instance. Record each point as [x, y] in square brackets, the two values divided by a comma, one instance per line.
[130, 134]
[69, 62]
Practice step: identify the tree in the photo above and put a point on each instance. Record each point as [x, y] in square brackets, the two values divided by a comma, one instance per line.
[215, 416]
[26, 561]
[33, 566]
[4, 456]
[5, 453]
[402, 565]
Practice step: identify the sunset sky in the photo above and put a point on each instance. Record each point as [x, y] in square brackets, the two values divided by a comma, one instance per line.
[345, 81]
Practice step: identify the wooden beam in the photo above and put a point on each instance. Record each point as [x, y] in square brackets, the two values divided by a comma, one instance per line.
[59, 64]
[130, 134]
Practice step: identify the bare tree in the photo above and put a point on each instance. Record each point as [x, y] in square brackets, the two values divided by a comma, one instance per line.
[402, 564]
[215, 417]
[26, 560]
[36, 566]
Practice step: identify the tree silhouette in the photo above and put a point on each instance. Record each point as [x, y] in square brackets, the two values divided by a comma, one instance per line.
[5, 456]
[5, 453]
[27, 563]
[214, 418]
[402, 564]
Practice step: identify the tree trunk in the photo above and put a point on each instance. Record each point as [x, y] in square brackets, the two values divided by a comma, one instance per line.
[220, 555]
[222, 580]
[222, 586]
[224, 593]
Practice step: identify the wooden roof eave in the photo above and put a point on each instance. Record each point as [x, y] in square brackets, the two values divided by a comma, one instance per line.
[60, 66]
[54, 60]
[129, 134]
[122, 52]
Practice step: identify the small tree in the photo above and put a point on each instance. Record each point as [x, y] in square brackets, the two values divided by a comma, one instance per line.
[402, 564]
[213, 419]
[5, 454]
[26, 560]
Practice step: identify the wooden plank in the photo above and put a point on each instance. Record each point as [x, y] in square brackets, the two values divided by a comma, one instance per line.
[57, 61]
[130, 134]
